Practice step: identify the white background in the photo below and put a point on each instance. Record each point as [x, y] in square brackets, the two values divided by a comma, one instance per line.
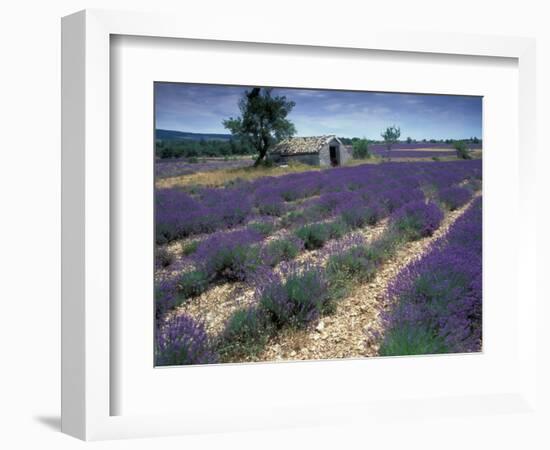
[29, 99]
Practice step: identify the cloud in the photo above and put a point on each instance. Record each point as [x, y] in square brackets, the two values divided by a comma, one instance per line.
[332, 107]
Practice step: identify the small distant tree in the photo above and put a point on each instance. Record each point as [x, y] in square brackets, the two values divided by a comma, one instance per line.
[391, 136]
[409, 140]
[263, 121]
[462, 150]
[361, 149]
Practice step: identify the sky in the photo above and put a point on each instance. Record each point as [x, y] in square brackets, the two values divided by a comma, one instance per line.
[200, 108]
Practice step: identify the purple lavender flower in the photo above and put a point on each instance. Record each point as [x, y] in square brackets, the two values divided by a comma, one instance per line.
[396, 198]
[297, 187]
[165, 296]
[182, 341]
[357, 212]
[281, 249]
[229, 255]
[269, 202]
[264, 225]
[179, 215]
[454, 197]
[296, 297]
[417, 219]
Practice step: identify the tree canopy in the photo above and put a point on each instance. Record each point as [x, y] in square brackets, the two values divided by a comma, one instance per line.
[361, 149]
[462, 150]
[391, 136]
[263, 121]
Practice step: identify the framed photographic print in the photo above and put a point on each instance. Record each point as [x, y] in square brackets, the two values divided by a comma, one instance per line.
[249, 218]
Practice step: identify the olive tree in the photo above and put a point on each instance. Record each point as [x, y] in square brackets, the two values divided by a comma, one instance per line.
[263, 121]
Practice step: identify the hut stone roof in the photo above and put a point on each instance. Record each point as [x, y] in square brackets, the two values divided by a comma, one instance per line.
[301, 145]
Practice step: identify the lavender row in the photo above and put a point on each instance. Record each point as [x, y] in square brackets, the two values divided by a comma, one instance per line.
[436, 301]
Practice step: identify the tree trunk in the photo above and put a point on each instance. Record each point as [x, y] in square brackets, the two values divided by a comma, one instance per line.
[261, 156]
[264, 145]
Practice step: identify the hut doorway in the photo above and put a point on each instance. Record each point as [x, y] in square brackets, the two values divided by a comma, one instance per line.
[333, 155]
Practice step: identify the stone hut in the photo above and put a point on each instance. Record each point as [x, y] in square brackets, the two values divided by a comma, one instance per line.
[313, 150]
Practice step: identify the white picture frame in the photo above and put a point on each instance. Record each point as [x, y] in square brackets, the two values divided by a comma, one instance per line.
[87, 386]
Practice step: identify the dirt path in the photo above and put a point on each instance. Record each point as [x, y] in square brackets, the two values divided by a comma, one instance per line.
[343, 334]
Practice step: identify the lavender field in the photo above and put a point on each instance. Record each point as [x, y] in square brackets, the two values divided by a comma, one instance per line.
[371, 260]
[173, 167]
[417, 150]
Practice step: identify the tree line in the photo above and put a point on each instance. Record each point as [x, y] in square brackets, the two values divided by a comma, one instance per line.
[187, 148]
[409, 140]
